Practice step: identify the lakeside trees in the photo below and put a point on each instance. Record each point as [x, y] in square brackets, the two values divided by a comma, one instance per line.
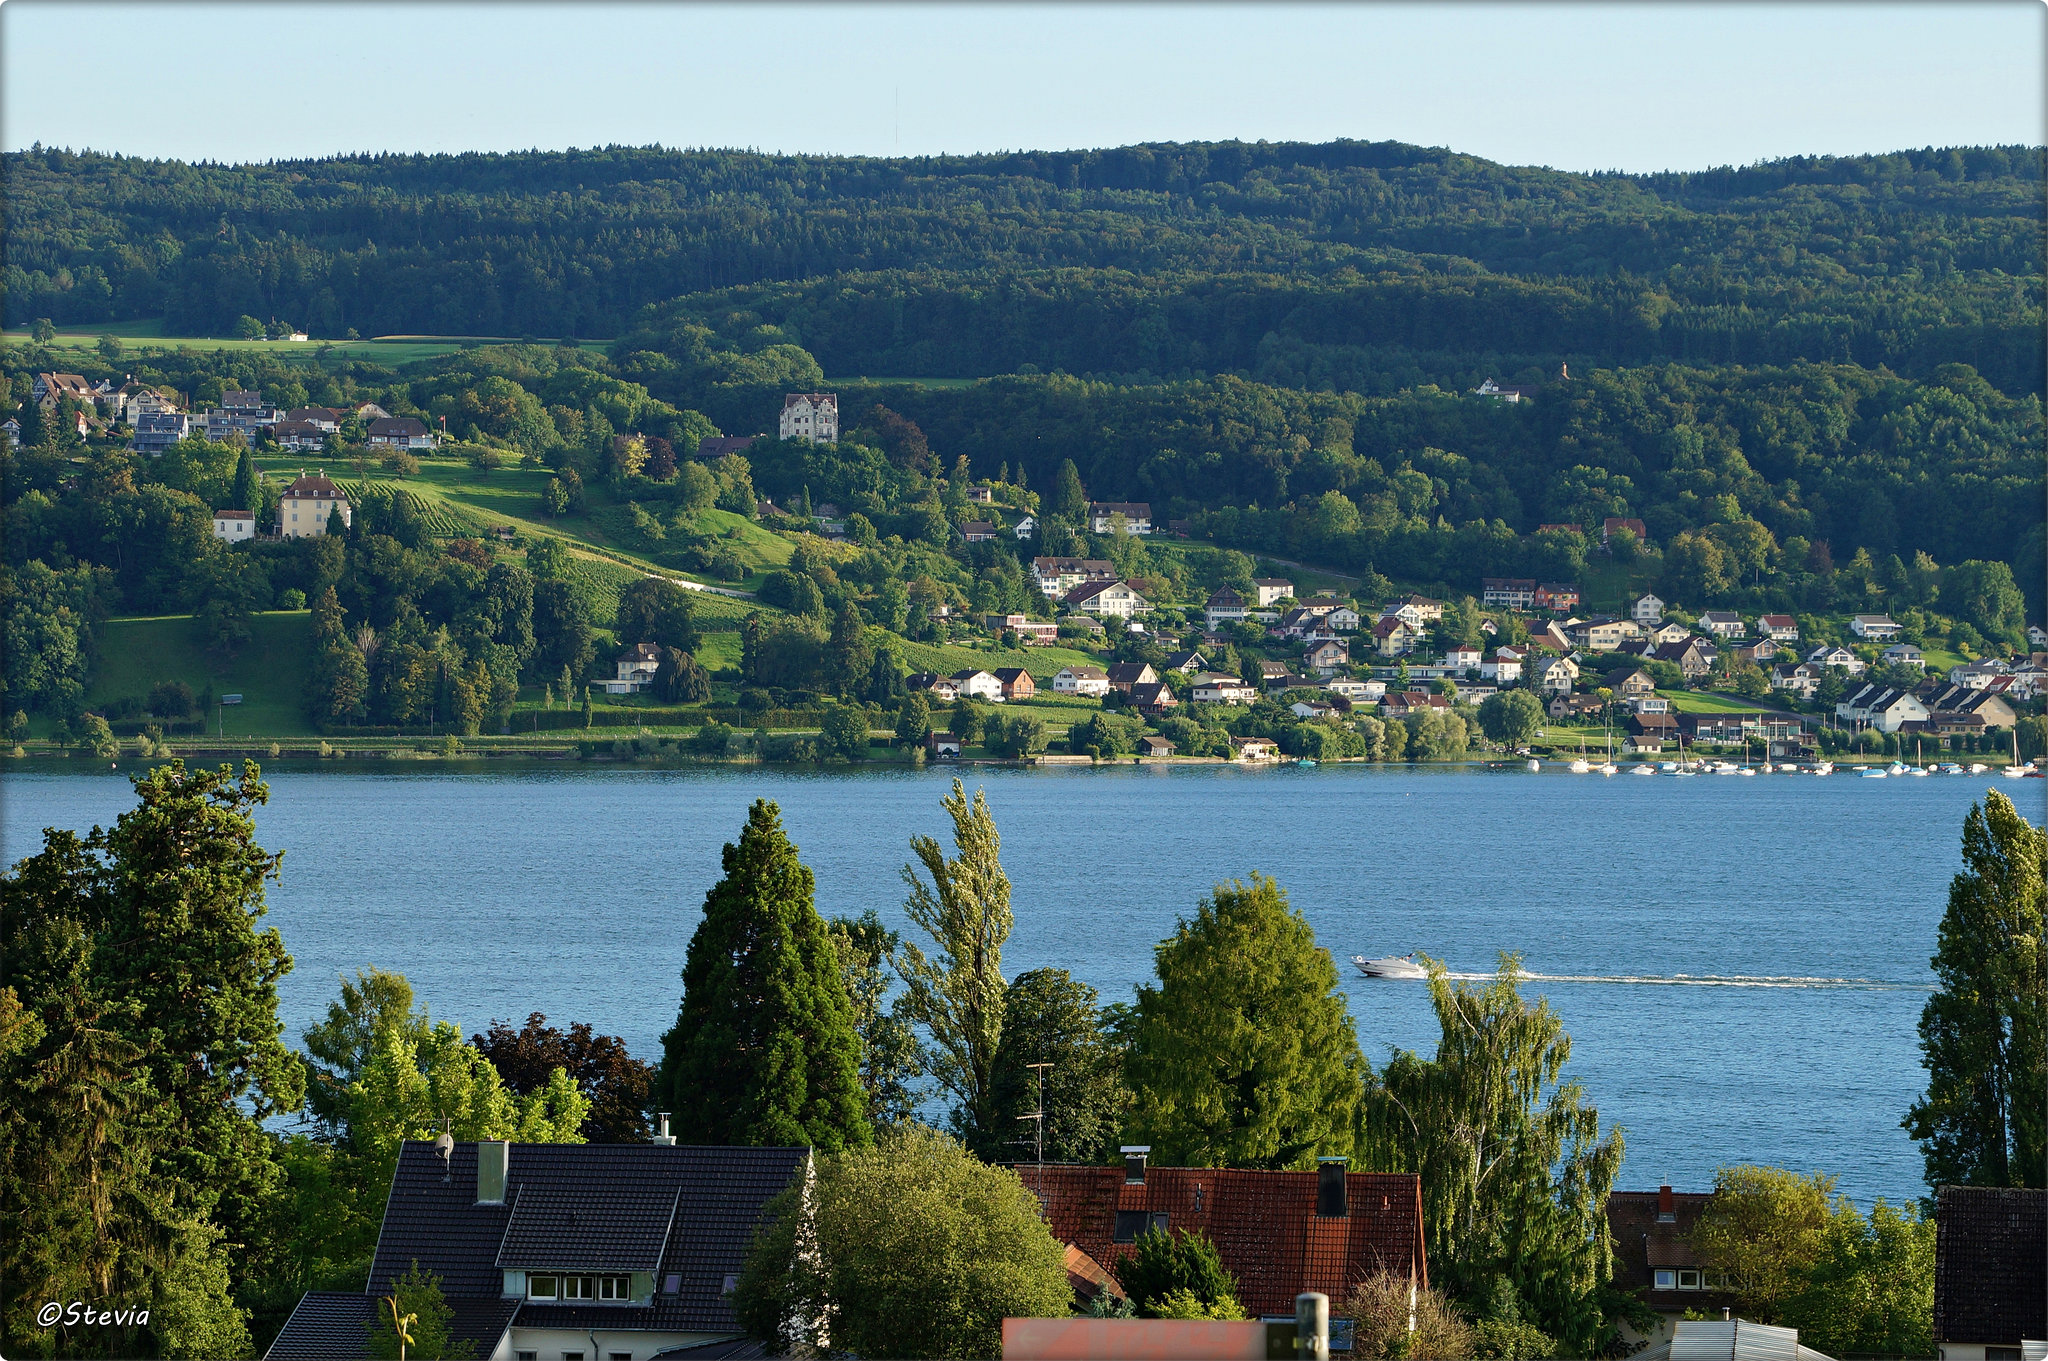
[1984, 1033]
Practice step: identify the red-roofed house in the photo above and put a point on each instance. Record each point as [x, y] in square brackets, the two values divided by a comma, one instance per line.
[1279, 1233]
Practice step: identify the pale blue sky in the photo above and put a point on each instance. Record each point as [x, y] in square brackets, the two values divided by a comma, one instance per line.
[1577, 86]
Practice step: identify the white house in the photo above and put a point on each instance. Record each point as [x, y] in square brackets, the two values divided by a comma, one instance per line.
[1221, 689]
[1782, 628]
[1025, 528]
[812, 417]
[1878, 628]
[1356, 690]
[1393, 636]
[399, 432]
[1723, 623]
[1882, 708]
[1555, 675]
[1508, 593]
[1092, 681]
[1102, 516]
[236, 526]
[1272, 590]
[307, 504]
[1976, 675]
[1461, 657]
[1903, 654]
[1327, 657]
[1302, 708]
[979, 685]
[1056, 576]
[1841, 658]
[1225, 607]
[1504, 667]
[1647, 610]
[1119, 598]
[1801, 679]
[636, 670]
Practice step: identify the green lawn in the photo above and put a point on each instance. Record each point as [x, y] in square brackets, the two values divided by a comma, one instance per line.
[393, 350]
[269, 674]
[1610, 586]
[1708, 702]
[911, 382]
[1041, 662]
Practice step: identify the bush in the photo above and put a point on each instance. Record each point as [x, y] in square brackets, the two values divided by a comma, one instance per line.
[1378, 1309]
[292, 599]
[1170, 1272]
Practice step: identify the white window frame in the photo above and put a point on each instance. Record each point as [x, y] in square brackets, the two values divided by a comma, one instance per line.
[533, 1287]
[1690, 1280]
[1664, 1278]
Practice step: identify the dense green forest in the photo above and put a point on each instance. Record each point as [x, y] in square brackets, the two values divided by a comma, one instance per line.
[1346, 265]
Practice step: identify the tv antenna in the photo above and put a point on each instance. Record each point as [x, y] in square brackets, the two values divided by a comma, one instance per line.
[1037, 1119]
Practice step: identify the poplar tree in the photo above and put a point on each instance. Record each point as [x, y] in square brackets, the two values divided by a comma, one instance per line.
[1984, 1033]
[957, 993]
[246, 482]
[764, 1049]
[1244, 1054]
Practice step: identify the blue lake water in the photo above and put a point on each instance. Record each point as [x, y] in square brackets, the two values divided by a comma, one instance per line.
[1812, 901]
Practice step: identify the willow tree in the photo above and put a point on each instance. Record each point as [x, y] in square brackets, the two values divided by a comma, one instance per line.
[1984, 1033]
[957, 992]
[764, 1049]
[1244, 1055]
[1515, 1172]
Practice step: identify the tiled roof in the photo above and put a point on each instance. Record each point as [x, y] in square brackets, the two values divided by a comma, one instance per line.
[1264, 1224]
[588, 1226]
[319, 486]
[1990, 1257]
[715, 1195]
[329, 1325]
[1642, 1243]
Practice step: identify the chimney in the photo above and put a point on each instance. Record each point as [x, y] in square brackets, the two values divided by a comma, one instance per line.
[1332, 1199]
[1667, 1212]
[493, 1156]
[1134, 1163]
[662, 1136]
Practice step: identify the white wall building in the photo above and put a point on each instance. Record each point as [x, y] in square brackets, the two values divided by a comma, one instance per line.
[236, 526]
[812, 417]
[307, 504]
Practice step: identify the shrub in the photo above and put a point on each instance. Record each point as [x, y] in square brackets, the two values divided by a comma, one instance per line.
[1378, 1308]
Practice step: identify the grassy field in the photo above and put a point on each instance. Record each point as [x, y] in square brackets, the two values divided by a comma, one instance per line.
[1710, 702]
[911, 382]
[393, 350]
[270, 673]
[1041, 662]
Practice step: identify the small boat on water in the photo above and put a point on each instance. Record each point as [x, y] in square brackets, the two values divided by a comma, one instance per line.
[1644, 770]
[1873, 773]
[1607, 768]
[2017, 772]
[1746, 770]
[1393, 966]
[1824, 768]
[1897, 768]
[1535, 764]
[1581, 767]
[1303, 761]
[1978, 767]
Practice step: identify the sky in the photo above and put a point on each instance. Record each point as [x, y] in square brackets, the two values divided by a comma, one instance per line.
[1607, 86]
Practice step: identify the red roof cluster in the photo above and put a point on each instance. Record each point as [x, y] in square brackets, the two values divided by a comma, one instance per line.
[1264, 1224]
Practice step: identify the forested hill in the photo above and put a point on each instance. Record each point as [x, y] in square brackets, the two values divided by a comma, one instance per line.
[1345, 265]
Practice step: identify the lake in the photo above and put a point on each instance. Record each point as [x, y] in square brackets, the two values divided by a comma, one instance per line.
[1740, 962]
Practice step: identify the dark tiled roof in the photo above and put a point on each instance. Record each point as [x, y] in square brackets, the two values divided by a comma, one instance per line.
[716, 1195]
[1990, 1259]
[1264, 1224]
[594, 1225]
[1642, 1244]
[329, 1325]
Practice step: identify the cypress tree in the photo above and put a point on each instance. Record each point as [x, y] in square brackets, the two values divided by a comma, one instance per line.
[764, 1049]
[245, 483]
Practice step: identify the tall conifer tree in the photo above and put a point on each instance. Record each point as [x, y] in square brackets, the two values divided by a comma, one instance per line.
[1984, 1035]
[764, 1049]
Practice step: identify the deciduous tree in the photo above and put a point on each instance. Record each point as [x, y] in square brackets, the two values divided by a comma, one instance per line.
[617, 1085]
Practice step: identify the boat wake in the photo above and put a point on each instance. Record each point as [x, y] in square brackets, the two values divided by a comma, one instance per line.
[1713, 981]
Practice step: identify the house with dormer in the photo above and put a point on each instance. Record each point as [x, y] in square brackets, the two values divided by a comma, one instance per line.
[611, 1251]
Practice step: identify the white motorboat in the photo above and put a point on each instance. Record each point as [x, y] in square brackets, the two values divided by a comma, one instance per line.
[1747, 770]
[2017, 772]
[1393, 966]
[1824, 768]
[1978, 767]
[1607, 768]
[1873, 773]
[1644, 770]
[1581, 767]
[1724, 767]
[1897, 768]
[1535, 764]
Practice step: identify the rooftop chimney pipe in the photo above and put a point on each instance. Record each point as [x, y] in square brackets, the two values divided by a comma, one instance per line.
[1332, 1192]
[1667, 1211]
[663, 1137]
[1134, 1163]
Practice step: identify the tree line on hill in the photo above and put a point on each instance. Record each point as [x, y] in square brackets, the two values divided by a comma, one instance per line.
[1167, 257]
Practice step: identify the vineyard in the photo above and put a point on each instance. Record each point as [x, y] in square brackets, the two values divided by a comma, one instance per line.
[442, 520]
